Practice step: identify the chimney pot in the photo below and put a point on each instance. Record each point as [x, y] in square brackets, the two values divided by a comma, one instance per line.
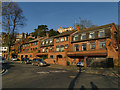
[47, 34]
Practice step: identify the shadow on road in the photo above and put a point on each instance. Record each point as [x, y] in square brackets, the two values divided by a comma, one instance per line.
[72, 84]
[7, 66]
[93, 87]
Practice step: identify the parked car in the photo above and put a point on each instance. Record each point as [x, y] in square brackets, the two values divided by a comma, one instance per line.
[39, 62]
[26, 61]
[13, 59]
[3, 60]
[80, 64]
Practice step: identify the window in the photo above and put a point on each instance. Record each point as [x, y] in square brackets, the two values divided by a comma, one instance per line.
[43, 42]
[91, 35]
[31, 49]
[76, 47]
[50, 47]
[31, 44]
[75, 38]
[101, 33]
[62, 48]
[43, 50]
[66, 46]
[30, 55]
[66, 38]
[62, 39]
[57, 48]
[84, 47]
[38, 51]
[51, 41]
[92, 45]
[36, 48]
[51, 56]
[83, 36]
[102, 44]
[18, 56]
[57, 39]
[47, 42]
[46, 49]
[36, 43]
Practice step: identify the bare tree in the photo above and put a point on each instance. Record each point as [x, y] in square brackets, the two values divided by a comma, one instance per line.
[84, 24]
[12, 18]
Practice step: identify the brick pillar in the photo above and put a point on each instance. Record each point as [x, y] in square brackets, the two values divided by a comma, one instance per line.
[85, 63]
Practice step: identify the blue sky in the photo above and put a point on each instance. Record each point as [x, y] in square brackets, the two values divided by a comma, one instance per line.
[63, 14]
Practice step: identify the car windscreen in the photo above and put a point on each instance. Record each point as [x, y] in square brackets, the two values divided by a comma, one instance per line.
[39, 60]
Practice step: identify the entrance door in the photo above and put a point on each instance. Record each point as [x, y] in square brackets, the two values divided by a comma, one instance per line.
[58, 56]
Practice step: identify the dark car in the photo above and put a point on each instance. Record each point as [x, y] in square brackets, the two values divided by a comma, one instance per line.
[38, 62]
[26, 61]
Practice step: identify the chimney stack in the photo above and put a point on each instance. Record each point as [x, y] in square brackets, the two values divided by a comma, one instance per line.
[38, 36]
[78, 28]
[47, 34]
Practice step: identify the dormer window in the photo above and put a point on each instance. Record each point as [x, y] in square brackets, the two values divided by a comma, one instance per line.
[46, 42]
[51, 41]
[66, 38]
[91, 35]
[57, 39]
[83, 36]
[75, 38]
[43, 42]
[62, 39]
[43, 50]
[101, 33]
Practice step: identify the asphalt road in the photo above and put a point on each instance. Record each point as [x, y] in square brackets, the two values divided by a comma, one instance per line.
[28, 76]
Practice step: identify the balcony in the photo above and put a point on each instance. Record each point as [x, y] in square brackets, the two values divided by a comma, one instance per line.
[100, 52]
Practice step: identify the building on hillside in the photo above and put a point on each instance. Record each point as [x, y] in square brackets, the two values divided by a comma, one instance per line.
[61, 30]
[30, 49]
[87, 45]
[21, 36]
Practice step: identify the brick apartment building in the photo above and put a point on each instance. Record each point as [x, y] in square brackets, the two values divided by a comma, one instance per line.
[87, 45]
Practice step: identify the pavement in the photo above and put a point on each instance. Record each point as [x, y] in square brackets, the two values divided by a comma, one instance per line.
[54, 76]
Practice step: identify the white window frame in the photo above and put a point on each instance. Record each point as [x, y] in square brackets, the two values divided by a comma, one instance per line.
[62, 39]
[43, 50]
[102, 42]
[47, 42]
[57, 39]
[57, 49]
[51, 41]
[91, 34]
[84, 34]
[66, 45]
[74, 37]
[66, 38]
[100, 32]
[43, 42]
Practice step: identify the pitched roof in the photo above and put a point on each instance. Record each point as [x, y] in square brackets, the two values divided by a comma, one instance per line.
[65, 33]
[36, 39]
[96, 28]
